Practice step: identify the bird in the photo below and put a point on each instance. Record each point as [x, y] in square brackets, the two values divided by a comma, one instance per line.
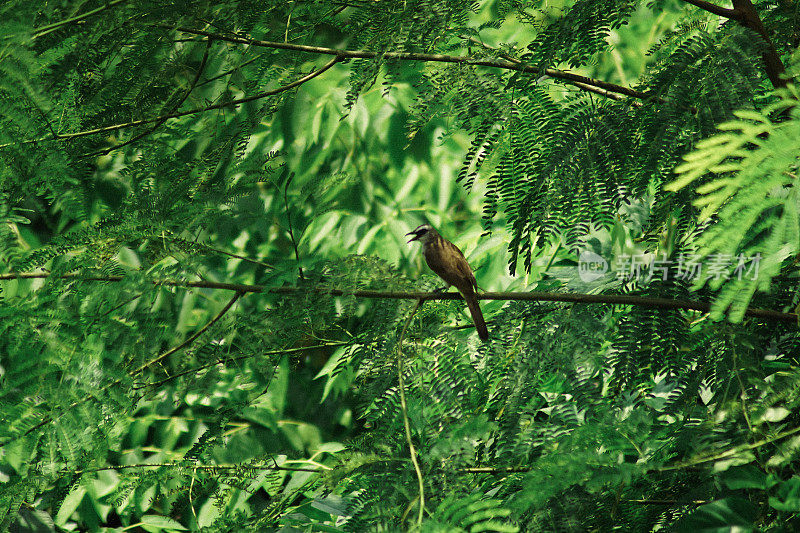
[444, 258]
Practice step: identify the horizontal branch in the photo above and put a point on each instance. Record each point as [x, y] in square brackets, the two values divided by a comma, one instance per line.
[192, 466]
[669, 502]
[603, 88]
[495, 469]
[532, 296]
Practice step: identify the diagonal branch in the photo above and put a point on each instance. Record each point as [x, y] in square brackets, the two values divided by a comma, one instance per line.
[44, 30]
[414, 56]
[745, 14]
[200, 368]
[586, 87]
[188, 341]
[177, 105]
[532, 296]
[715, 9]
[232, 103]
[47, 419]
[730, 452]
[772, 61]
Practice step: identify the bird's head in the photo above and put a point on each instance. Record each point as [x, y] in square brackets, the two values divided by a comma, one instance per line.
[422, 233]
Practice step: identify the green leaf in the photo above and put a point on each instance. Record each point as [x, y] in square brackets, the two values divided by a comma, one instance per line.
[162, 522]
[69, 505]
[720, 516]
[744, 477]
[787, 496]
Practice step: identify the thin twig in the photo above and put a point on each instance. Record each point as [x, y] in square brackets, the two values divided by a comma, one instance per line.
[494, 470]
[404, 409]
[669, 502]
[742, 392]
[44, 117]
[240, 357]
[188, 341]
[586, 87]
[47, 419]
[230, 71]
[232, 103]
[195, 244]
[44, 30]
[291, 232]
[177, 105]
[532, 296]
[732, 451]
[123, 304]
[197, 467]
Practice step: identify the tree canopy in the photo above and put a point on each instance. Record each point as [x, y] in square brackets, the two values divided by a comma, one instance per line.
[210, 319]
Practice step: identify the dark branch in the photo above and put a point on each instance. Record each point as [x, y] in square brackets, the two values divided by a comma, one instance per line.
[533, 296]
[192, 466]
[188, 341]
[412, 56]
[177, 106]
[602, 92]
[772, 61]
[226, 360]
[715, 9]
[47, 419]
[291, 231]
[232, 103]
[745, 14]
[44, 30]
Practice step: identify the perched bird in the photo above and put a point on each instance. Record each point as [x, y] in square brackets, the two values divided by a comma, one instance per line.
[449, 263]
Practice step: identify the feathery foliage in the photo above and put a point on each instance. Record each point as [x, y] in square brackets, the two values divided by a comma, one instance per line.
[193, 193]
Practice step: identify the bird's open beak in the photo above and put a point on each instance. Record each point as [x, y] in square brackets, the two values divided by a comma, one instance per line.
[414, 238]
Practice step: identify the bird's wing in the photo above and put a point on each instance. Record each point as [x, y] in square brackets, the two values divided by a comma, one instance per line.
[444, 258]
[464, 268]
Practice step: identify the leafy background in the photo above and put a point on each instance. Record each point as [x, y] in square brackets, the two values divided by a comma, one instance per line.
[185, 189]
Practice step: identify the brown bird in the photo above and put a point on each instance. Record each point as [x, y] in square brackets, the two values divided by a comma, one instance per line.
[449, 263]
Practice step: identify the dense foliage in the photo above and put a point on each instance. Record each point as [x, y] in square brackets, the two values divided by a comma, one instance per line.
[202, 210]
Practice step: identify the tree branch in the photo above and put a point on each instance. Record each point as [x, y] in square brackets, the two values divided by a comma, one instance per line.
[602, 92]
[772, 61]
[177, 105]
[291, 231]
[731, 451]
[47, 419]
[114, 127]
[239, 358]
[198, 467]
[533, 296]
[44, 30]
[715, 9]
[413, 56]
[745, 14]
[404, 410]
[188, 341]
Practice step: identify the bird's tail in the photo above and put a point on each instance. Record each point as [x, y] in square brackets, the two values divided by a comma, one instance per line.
[477, 316]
